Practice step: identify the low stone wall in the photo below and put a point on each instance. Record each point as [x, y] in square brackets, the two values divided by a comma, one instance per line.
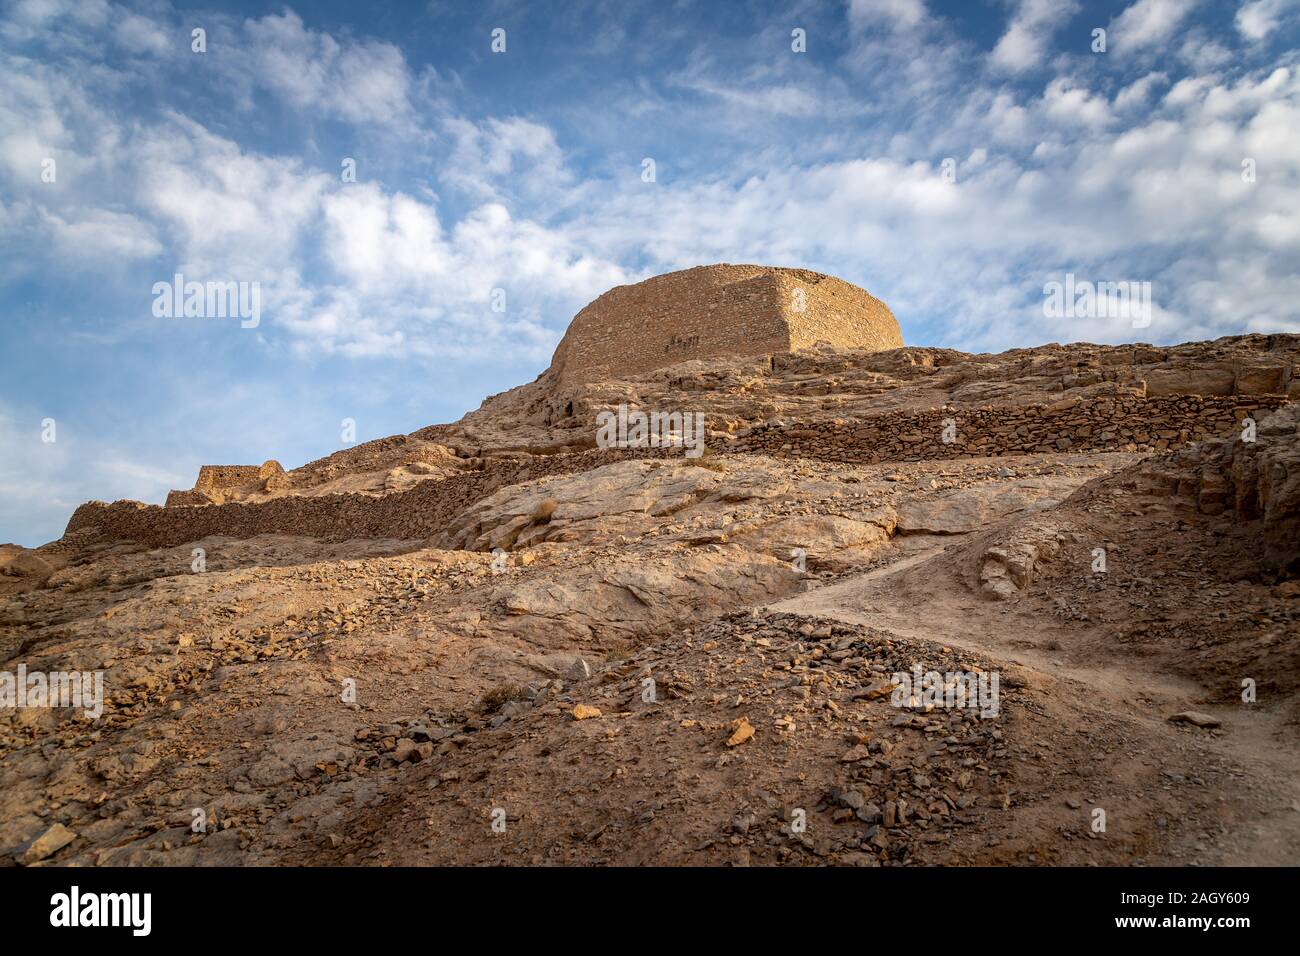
[421, 512]
[182, 499]
[1106, 424]
[1109, 424]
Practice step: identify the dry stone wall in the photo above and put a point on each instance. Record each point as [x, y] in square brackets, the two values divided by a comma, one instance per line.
[1112, 424]
[1121, 423]
[715, 311]
[833, 311]
[215, 482]
[420, 512]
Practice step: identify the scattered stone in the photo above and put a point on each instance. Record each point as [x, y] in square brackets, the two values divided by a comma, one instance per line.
[1195, 718]
[47, 844]
[741, 731]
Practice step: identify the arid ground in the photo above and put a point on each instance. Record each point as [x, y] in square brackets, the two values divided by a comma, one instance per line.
[494, 643]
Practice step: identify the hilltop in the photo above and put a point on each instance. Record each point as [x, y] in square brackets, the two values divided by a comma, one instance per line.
[492, 641]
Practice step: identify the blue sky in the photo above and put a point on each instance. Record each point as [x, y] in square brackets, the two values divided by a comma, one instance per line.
[522, 171]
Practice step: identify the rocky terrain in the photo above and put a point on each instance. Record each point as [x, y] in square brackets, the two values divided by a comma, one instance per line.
[492, 642]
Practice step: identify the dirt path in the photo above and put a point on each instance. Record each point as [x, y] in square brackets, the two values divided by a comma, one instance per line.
[1258, 810]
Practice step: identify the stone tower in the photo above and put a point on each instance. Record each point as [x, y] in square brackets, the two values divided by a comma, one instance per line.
[714, 311]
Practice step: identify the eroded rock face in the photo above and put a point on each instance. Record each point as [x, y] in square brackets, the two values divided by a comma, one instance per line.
[1253, 474]
[1007, 568]
[594, 506]
[968, 510]
[22, 569]
[588, 507]
[1266, 482]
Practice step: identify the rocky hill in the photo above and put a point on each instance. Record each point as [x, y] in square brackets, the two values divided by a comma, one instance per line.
[495, 642]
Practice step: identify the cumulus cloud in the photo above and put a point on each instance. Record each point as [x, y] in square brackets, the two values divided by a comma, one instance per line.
[1113, 168]
[360, 81]
[140, 35]
[1148, 22]
[1025, 42]
[229, 211]
[1071, 105]
[1256, 19]
[363, 269]
[410, 284]
[511, 157]
[1138, 94]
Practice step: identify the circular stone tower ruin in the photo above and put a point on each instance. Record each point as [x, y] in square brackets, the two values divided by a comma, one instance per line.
[714, 311]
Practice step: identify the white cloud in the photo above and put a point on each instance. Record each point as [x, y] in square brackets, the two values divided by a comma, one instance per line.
[1256, 19]
[892, 14]
[1114, 206]
[1148, 22]
[360, 81]
[1203, 53]
[506, 158]
[137, 34]
[1069, 105]
[899, 52]
[1137, 94]
[1024, 45]
[100, 234]
[780, 99]
[27, 19]
[414, 286]
[365, 269]
[231, 213]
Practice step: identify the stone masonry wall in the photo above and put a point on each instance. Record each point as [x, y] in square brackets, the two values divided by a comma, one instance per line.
[218, 477]
[1114, 424]
[216, 481]
[834, 311]
[696, 313]
[420, 512]
[1130, 423]
[713, 311]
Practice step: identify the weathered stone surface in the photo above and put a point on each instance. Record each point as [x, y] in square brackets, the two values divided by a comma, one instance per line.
[972, 509]
[1196, 719]
[718, 310]
[1008, 567]
[47, 844]
[1213, 379]
[1257, 480]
